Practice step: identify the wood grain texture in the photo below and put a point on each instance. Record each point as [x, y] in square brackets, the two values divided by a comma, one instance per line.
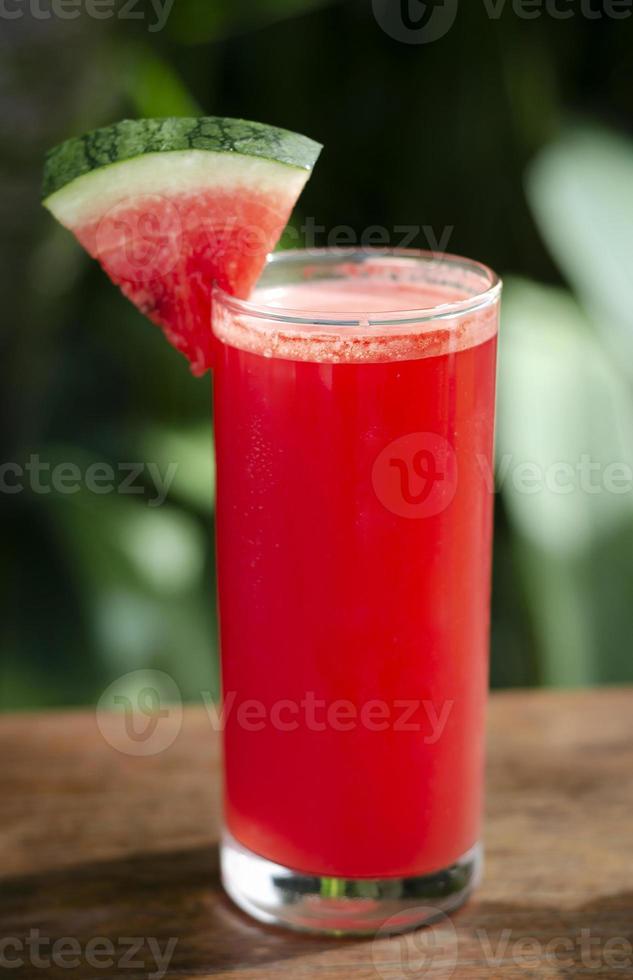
[96, 844]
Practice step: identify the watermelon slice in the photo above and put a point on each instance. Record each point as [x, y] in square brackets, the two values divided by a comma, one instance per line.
[169, 206]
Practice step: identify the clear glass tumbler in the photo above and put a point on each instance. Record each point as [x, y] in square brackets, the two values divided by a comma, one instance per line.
[354, 408]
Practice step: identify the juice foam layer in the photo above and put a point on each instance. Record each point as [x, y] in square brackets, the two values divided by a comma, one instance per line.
[370, 321]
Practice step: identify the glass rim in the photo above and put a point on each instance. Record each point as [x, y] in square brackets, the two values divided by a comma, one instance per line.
[492, 285]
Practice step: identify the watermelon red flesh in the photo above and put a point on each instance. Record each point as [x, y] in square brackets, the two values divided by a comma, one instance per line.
[166, 251]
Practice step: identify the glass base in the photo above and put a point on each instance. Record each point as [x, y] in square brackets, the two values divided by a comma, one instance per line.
[343, 906]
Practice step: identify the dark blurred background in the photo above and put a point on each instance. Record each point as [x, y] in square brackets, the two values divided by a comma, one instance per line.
[507, 138]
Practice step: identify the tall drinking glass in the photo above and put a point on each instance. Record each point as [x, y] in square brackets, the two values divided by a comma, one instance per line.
[354, 406]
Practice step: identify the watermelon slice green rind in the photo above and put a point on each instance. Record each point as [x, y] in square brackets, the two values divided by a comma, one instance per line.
[134, 137]
[170, 206]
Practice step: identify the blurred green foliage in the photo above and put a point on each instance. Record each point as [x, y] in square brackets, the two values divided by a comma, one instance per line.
[510, 133]
[565, 398]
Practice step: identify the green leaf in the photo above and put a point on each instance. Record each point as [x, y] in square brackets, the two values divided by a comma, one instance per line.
[581, 191]
[565, 468]
[153, 86]
[563, 407]
[187, 452]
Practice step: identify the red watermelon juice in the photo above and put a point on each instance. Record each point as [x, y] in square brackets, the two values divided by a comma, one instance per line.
[354, 455]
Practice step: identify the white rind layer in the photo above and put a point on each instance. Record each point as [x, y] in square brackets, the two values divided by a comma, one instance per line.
[171, 173]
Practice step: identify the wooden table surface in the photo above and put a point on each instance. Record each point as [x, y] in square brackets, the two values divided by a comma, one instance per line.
[113, 857]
